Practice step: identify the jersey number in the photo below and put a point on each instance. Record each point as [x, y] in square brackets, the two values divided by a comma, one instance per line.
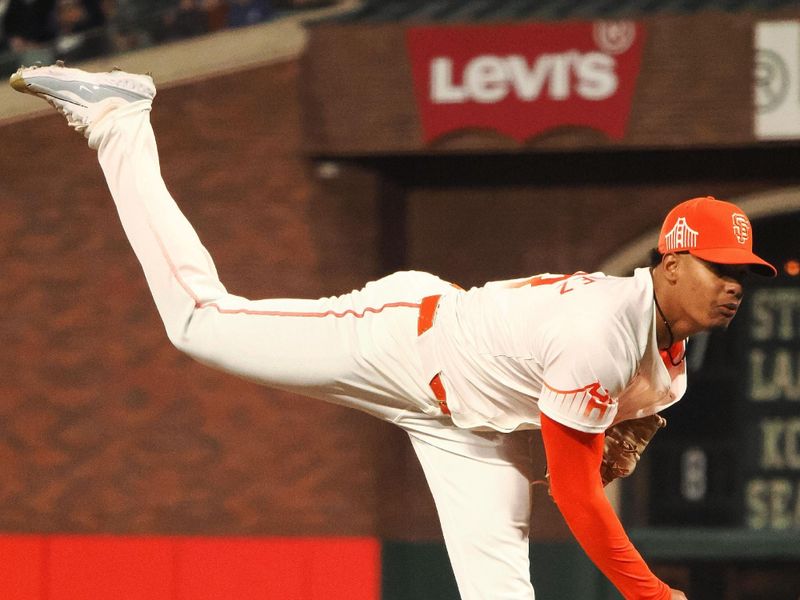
[568, 282]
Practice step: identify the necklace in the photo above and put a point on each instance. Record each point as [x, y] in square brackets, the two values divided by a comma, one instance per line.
[669, 332]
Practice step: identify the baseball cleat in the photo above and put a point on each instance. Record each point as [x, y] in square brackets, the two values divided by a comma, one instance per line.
[81, 96]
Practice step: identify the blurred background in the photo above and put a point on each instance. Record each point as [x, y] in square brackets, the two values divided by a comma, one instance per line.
[316, 146]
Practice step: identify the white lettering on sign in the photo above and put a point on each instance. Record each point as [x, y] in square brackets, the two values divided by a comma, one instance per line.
[773, 503]
[776, 315]
[774, 375]
[780, 444]
[489, 78]
[694, 474]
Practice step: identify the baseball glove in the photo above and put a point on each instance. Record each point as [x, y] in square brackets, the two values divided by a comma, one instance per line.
[624, 445]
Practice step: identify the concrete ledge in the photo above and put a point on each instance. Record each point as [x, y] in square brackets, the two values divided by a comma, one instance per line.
[214, 54]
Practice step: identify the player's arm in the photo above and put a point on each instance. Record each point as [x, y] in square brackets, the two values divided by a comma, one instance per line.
[573, 461]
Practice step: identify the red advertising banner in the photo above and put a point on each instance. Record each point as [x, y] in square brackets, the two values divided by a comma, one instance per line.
[522, 80]
[108, 567]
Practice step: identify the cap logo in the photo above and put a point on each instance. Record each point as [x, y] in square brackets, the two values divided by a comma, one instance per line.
[741, 227]
[681, 236]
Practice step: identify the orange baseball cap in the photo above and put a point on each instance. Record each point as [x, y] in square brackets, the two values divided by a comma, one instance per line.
[714, 230]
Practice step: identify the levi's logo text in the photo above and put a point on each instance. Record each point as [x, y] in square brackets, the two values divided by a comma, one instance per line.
[522, 80]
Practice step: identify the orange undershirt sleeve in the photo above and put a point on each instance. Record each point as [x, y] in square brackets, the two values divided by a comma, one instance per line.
[573, 461]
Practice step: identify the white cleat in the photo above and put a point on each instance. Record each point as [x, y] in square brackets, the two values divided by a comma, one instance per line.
[80, 96]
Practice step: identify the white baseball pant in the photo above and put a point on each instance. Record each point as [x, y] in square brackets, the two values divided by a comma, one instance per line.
[358, 350]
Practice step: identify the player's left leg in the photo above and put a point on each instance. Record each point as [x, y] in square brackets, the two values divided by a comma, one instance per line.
[84, 98]
[481, 483]
[358, 349]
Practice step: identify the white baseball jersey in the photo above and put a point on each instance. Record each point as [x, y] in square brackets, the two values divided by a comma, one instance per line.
[581, 348]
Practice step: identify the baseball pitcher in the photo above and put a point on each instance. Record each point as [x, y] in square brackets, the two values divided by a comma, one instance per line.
[589, 359]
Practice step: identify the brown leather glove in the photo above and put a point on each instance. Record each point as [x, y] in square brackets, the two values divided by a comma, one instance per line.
[624, 445]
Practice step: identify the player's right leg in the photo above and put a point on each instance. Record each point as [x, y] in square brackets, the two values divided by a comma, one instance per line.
[481, 483]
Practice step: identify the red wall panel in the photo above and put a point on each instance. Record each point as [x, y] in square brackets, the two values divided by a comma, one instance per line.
[22, 567]
[110, 567]
[230, 569]
[350, 571]
[188, 568]
[303, 568]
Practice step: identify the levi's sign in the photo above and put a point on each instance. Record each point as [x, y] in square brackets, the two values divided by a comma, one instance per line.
[525, 79]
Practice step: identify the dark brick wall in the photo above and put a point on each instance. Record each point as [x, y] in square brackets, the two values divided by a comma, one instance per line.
[510, 232]
[103, 425]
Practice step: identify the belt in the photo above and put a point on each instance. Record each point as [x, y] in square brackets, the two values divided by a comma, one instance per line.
[427, 313]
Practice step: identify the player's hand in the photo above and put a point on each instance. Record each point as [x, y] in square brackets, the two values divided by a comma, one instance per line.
[677, 595]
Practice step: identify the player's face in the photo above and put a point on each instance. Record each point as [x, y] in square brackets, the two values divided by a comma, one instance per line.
[711, 292]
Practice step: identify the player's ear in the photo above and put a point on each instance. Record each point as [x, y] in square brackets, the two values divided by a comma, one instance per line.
[669, 265]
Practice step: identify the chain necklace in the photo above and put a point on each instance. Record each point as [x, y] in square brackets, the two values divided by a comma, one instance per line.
[669, 332]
